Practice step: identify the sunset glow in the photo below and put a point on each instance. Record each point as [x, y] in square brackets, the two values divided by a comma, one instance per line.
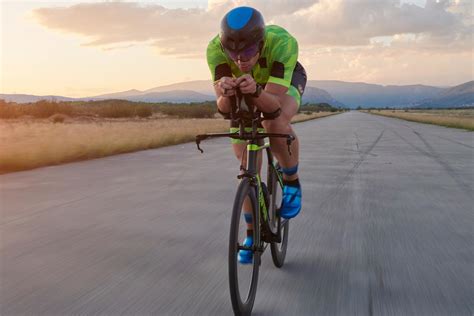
[86, 48]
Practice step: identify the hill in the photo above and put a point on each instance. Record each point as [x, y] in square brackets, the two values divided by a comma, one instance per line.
[336, 93]
[205, 92]
[28, 98]
[458, 96]
[314, 95]
[355, 94]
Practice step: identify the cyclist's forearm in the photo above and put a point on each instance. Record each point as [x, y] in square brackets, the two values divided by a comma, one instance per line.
[223, 104]
[268, 102]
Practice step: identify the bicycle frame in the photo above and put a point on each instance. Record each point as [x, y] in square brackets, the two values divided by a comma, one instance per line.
[252, 173]
[253, 118]
[255, 179]
[266, 230]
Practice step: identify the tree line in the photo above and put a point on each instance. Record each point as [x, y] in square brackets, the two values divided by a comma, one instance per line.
[122, 109]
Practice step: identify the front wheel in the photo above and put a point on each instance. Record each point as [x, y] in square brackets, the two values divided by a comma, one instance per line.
[278, 249]
[243, 278]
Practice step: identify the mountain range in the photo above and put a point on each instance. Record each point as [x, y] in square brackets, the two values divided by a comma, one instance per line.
[336, 93]
[461, 95]
[355, 94]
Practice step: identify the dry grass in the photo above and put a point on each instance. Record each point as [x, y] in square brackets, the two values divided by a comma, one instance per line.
[27, 144]
[30, 145]
[463, 118]
[301, 117]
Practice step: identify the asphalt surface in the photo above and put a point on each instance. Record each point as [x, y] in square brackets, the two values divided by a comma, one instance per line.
[386, 228]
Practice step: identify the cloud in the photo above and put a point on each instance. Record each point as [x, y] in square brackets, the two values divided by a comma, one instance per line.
[172, 31]
[277, 7]
[353, 23]
[441, 25]
[389, 65]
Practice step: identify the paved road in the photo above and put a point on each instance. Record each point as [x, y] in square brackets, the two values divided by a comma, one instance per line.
[386, 229]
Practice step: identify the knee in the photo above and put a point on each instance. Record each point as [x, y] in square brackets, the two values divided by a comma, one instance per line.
[278, 124]
[240, 152]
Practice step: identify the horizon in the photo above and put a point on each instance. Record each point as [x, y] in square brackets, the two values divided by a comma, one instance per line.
[181, 82]
[425, 43]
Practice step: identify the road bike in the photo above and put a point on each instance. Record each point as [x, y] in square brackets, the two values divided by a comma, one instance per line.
[265, 199]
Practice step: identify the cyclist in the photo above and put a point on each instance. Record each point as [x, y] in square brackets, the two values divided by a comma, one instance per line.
[262, 61]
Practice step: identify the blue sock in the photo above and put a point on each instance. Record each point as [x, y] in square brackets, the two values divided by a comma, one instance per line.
[290, 171]
[248, 220]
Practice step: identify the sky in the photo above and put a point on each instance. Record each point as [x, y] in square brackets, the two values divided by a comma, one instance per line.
[87, 48]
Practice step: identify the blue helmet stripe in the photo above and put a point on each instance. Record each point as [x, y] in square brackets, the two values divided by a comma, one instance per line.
[239, 17]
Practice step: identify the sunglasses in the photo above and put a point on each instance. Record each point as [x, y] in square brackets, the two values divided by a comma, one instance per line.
[245, 54]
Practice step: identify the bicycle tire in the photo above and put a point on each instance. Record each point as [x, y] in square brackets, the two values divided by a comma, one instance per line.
[243, 305]
[278, 249]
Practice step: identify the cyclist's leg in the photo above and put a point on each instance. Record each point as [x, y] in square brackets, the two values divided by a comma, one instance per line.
[291, 201]
[292, 192]
[282, 125]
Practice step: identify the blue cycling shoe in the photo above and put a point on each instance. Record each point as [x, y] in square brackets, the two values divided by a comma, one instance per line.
[291, 201]
[246, 256]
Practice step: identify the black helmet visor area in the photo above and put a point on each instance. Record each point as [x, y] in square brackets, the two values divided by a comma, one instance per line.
[245, 54]
[241, 28]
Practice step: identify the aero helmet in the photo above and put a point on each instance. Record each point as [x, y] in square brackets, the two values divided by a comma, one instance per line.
[241, 28]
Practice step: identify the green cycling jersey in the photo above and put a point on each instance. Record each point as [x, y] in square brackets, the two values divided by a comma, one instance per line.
[275, 65]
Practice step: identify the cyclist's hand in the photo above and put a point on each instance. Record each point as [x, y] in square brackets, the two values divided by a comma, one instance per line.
[246, 84]
[227, 86]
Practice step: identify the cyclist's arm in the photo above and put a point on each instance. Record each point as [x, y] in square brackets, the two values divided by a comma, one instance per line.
[285, 54]
[223, 101]
[221, 74]
[271, 97]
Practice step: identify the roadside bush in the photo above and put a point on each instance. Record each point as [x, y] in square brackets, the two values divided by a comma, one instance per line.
[44, 109]
[116, 111]
[58, 118]
[319, 107]
[106, 109]
[8, 110]
[144, 110]
[40, 109]
[189, 111]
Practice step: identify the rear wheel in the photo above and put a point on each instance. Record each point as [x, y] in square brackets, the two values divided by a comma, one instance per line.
[278, 249]
[243, 278]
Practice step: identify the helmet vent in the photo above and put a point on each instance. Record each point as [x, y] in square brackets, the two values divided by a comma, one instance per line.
[238, 18]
